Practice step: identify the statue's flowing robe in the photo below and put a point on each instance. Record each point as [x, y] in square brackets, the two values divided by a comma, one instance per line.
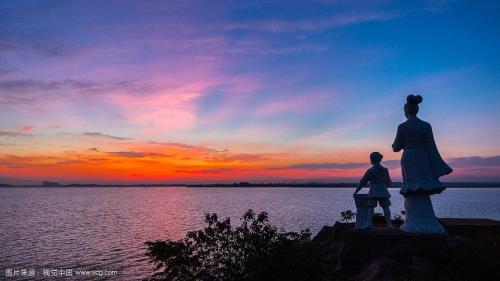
[421, 163]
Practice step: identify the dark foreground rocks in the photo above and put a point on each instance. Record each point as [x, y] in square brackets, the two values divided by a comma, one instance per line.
[470, 250]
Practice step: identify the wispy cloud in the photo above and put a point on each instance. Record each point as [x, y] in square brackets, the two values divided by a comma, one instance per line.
[173, 144]
[135, 154]
[309, 101]
[12, 134]
[321, 166]
[475, 162]
[29, 91]
[28, 84]
[335, 20]
[240, 157]
[5, 70]
[470, 166]
[337, 166]
[22, 131]
[205, 172]
[265, 48]
[171, 110]
[28, 161]
[42, 42]
[106, 136]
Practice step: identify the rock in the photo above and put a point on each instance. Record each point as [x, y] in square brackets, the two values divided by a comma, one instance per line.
[380, 269]
[420, 269]
[469, 249]
[330, 240]
[361, 247]
[390, 270]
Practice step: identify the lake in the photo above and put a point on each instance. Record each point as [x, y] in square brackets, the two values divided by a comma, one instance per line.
[104, 229]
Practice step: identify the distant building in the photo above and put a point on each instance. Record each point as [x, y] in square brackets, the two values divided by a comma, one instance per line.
[51, 183]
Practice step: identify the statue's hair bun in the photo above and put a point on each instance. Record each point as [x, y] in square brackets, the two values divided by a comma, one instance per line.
[411, 99]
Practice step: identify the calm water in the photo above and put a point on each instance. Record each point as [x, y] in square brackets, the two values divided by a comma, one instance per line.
[105, 228]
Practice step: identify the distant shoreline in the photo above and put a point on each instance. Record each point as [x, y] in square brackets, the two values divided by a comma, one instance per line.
[268, 185]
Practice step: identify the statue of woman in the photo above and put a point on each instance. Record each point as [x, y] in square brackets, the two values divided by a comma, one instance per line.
[421, 166]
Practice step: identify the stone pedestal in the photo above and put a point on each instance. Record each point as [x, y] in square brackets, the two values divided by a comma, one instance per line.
[363, 246]
[364, 218]
[420, 217]
[391, 254]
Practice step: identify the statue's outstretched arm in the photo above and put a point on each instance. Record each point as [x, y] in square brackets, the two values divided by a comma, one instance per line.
[388, 181]
[363, 182]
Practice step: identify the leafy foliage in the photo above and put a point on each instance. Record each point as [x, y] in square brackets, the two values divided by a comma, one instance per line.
[398, 219]
[347, 215]
[255, 250]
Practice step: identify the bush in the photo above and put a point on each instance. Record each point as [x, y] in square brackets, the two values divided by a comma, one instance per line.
[378, 218]
[347, 215]
[255, 250]
[398, 219]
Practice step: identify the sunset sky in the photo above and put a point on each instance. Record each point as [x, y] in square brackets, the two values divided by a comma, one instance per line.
[222, 91]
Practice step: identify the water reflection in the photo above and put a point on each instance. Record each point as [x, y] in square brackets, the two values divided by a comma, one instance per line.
[105, 228]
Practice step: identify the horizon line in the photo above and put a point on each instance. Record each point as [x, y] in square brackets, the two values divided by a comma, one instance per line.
[246, 184]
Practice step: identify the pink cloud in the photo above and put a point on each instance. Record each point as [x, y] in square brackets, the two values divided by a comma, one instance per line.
[21, 131]
[302, 103]
[172, 109]
[25, 128]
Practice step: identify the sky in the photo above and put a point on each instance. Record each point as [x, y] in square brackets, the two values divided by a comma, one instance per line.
[223, 91]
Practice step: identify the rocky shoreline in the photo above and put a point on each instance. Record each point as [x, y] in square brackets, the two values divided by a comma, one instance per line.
[469, 250]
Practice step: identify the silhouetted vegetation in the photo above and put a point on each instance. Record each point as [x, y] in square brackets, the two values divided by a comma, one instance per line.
[347, 215]
[378, 218]
[254, 250]
[398, 219]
